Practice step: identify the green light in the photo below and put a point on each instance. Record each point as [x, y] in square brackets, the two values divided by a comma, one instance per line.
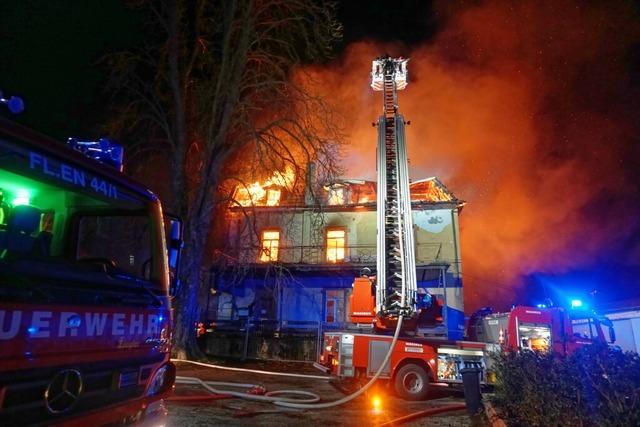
[22, 198]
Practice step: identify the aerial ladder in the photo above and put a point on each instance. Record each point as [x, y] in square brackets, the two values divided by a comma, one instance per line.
[395, 281]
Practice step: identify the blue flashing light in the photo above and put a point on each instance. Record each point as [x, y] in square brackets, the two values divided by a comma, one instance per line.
[160, 318]
[576, 303]
[102, 150]
[32, 330]
[541, 305]
[14, 104]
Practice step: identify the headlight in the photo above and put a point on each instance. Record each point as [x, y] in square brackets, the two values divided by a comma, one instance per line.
[161, 380]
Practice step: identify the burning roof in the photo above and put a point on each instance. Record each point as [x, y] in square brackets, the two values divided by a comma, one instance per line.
[271, 192]
[267, 192]
[351, 191]
[430, 190]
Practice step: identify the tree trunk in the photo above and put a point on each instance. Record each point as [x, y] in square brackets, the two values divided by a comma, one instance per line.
[187, 310]
[186, 304]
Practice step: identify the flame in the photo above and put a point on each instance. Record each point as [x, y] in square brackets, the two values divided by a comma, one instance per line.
[267, 192]
[429, 190]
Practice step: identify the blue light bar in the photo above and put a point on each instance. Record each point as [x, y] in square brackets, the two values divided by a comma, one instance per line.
[14, 104]
[102, 150]
[576, 303]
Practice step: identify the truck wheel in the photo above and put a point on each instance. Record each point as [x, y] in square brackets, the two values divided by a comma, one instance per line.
[411, 382]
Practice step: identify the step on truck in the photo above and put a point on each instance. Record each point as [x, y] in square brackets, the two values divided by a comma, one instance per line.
[85, 320]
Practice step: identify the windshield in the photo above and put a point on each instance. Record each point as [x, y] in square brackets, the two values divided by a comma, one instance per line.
[58, 229]
[122, 242]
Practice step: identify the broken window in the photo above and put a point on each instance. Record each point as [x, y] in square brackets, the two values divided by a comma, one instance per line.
[273, 197]
[335, 244]
[336, 196]
[270, 243]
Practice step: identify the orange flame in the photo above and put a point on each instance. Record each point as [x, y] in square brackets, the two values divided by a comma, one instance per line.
[429, 190]
[267, 192]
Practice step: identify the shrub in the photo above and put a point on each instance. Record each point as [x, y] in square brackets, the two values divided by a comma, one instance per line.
[595, 386]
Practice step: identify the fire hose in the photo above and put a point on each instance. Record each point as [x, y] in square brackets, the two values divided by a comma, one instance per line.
[356, 393]
[253, 371]
[271, 396]
[275, 396]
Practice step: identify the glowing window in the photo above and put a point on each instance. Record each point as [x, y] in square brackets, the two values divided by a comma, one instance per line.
[273, 197]
[336, 196]
[270, 242]
[335, 245]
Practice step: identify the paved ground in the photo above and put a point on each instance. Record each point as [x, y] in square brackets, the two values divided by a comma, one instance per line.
[239, 412]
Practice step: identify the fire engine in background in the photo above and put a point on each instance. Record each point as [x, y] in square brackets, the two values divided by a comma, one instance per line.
[379, 303]
[540, 328]
[85, 315]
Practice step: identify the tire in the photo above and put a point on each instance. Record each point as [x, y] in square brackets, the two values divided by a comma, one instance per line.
[411, 382]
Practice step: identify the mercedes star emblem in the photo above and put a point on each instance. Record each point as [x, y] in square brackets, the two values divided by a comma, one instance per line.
[63, 391]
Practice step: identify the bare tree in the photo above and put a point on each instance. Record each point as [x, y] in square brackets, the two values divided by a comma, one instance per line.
[213, 80]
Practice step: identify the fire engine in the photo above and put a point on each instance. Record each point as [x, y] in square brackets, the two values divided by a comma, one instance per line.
[540, 328]
[85, 314]
[391, 300]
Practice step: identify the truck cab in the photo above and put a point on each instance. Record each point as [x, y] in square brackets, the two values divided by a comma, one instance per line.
[540, 329]
[85, 320]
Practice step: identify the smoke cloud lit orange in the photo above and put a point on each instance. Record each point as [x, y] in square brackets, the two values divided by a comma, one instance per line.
[521, 109]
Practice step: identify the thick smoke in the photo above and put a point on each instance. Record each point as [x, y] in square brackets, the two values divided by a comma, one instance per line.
[528, 111]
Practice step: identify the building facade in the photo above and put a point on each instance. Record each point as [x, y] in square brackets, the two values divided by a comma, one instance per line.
[293, 259]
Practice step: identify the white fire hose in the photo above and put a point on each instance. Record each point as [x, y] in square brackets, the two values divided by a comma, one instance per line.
[253, 371]
[352, 395]
[271, 396]
[274, 397]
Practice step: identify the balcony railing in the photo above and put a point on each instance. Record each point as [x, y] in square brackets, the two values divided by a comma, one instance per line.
[356, 255]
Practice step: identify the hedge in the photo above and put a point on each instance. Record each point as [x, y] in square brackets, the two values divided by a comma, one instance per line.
[595, 386]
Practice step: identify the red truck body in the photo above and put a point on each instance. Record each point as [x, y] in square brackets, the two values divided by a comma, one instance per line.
[417, 361]
[543, 329]
[85, 317]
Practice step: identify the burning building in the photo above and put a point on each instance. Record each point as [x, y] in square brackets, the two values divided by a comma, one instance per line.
[293, 257]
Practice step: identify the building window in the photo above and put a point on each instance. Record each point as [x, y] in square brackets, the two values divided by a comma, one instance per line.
[336, 196]
[273, 197]
[270, 243]
[335, 244]
[333, 305]
[331, 310]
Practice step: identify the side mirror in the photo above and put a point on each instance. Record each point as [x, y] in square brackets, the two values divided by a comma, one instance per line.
[612, 334]
[174, 231]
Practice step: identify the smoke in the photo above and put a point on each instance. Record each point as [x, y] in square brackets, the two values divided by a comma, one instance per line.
[528, 111]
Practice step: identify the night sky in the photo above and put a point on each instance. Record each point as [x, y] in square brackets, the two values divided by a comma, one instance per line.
[534, 106]
[49, 56]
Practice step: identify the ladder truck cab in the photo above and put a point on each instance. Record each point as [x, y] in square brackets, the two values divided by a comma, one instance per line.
[85, 320]
[540, 329]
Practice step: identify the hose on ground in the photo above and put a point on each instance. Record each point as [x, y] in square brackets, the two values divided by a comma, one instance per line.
[288, 402]
[271, 397]
[352, 396]
[198, 398]
[253, 371]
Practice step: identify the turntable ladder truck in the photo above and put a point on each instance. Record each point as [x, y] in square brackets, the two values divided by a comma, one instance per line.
[379, 302]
